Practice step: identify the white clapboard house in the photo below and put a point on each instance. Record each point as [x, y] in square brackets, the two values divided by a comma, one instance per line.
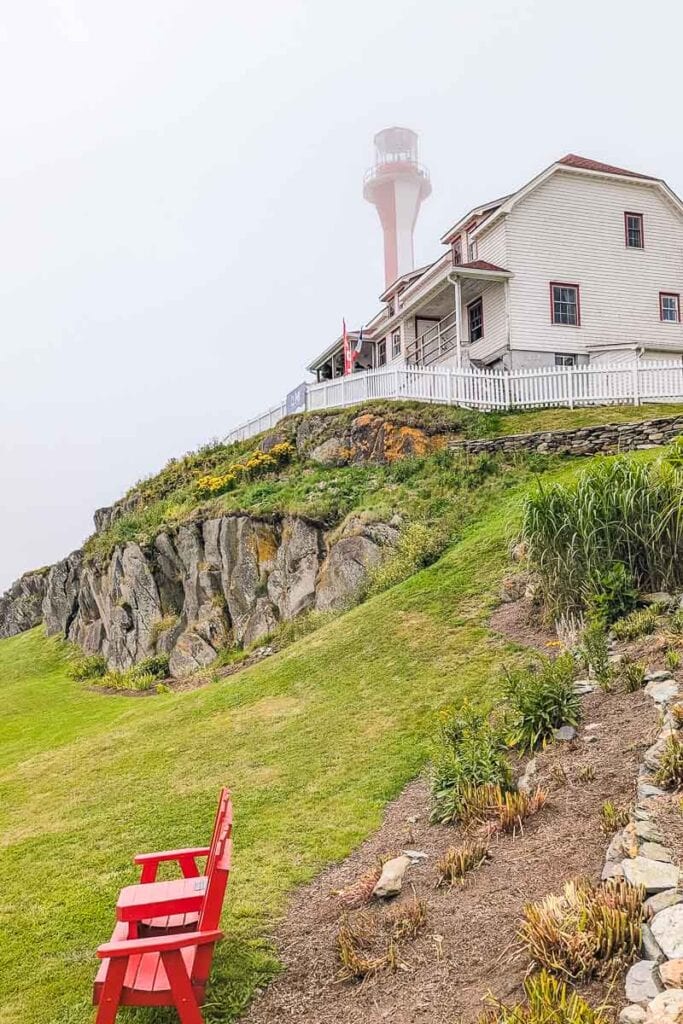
[582, 265]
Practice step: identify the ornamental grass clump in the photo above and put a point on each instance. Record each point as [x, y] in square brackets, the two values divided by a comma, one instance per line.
[587, 931]
[670, 771]
[619, 512]
[541, 699]
[548, 1000]
[613, 817]
[458, 861]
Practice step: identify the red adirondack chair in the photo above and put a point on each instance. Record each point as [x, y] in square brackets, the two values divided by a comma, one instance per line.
[165, 970]
[152, 907]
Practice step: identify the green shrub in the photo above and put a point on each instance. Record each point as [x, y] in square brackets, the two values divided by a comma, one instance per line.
[611, 595]
[633, 675]
[541, 699]
[672, 659]
[156, 666]
[87, 666]
[418, 546]
[595, 652]
[470, 753]
[619, 511]
[635, 625]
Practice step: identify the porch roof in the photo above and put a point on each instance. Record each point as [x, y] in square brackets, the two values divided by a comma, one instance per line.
[332, 350]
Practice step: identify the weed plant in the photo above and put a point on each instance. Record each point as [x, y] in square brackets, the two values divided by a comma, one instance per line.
[541, 699]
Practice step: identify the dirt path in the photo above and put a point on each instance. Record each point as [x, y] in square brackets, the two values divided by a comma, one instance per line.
[466, 950]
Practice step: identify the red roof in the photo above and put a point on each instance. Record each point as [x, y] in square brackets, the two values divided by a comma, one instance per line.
[481, 265]
[583, 163]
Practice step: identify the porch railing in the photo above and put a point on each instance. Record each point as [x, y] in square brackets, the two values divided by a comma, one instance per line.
[434, 344]
[568, 386]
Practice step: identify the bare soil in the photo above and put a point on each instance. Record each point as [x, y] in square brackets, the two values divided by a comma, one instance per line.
[469, 946]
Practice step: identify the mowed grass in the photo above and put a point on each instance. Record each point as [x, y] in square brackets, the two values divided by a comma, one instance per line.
[313, 741]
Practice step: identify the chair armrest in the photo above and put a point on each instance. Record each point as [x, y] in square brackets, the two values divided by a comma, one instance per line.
[157, 944]
[156, 858]
[186, 859]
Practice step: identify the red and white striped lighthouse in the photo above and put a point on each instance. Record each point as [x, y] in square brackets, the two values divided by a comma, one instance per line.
[397, 185]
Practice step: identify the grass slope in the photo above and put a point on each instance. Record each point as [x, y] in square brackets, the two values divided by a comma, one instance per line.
[314, 742]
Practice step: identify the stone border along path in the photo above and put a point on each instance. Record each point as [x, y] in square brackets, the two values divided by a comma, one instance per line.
[599, 439]
[654, 985]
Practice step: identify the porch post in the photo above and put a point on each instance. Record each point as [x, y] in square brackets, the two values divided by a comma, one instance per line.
[457, 285]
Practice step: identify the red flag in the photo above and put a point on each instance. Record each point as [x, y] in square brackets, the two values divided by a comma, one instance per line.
[348, 354]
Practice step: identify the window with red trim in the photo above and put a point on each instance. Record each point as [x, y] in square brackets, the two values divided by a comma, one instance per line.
[564, 304]
[475, 320]
[670, 307]
[633, 231]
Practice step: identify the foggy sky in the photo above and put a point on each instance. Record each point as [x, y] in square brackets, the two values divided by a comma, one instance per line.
[181, 219]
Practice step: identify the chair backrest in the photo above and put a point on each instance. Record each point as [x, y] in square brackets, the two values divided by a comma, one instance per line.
[210, 916]
[223, 817]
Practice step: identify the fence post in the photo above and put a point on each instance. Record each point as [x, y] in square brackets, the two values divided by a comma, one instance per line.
[571, 386]
[507, 390]
[635, 383]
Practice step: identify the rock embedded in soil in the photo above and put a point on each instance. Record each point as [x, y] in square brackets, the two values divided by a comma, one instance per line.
[662, 900]
[642, 982]
[655, 875]
[612, 870]
[633, 1014]
[662, 692]
[649, 946]
[667, 928]
[646, 831]
[666, 1008]
[565, 734]
[527, 781]
[391, 879]
[671, 973]
[655, 851]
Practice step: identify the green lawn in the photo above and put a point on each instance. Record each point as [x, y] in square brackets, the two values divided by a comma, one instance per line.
[313, 741]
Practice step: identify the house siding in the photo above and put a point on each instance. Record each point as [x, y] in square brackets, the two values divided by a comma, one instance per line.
[571, 229]
[495, 321]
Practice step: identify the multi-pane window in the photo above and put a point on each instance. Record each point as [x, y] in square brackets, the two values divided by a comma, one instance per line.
[396, 344]
[562, 359]
[456, 250]
[564, 304]
[472, 251]
[382, 352]
[669, 307]
[475, 320]
[633, 228]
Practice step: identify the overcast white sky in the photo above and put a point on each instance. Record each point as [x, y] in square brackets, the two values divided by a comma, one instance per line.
[181, 220]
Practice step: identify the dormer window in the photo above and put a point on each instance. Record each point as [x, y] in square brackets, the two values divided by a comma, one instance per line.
[633, 229]
[456, 252]
[472, 251]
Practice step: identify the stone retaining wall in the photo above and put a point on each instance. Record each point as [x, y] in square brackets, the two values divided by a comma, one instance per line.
[607, 438]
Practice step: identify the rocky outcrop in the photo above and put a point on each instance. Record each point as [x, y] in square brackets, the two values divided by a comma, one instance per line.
[207, 585]
[21, 607]
[366, 437]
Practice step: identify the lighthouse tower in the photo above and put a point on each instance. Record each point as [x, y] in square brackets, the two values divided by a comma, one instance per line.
[396, 185]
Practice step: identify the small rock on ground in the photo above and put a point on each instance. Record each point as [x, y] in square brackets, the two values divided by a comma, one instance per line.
[633, 1014]
[565, 733]
[642, 982]
[671, 973]
[667, 928]
[662, 900]
[655, 875]
[655, 851]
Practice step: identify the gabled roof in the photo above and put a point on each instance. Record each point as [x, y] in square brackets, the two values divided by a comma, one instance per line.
[490, 212]
[404, 278]
[585, 164]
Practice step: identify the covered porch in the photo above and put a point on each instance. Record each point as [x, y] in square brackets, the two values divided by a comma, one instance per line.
[330, 363]
[462, 319]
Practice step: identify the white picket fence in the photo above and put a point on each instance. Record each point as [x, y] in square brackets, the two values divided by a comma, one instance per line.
[570, 386]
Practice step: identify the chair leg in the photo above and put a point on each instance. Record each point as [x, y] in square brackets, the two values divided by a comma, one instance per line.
[181, 987]
[111, 991]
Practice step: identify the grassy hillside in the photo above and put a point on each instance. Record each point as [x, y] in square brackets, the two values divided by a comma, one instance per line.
[313, 741]
[220, 478]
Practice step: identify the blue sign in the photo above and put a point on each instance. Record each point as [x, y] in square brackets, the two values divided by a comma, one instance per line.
[296, 400]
